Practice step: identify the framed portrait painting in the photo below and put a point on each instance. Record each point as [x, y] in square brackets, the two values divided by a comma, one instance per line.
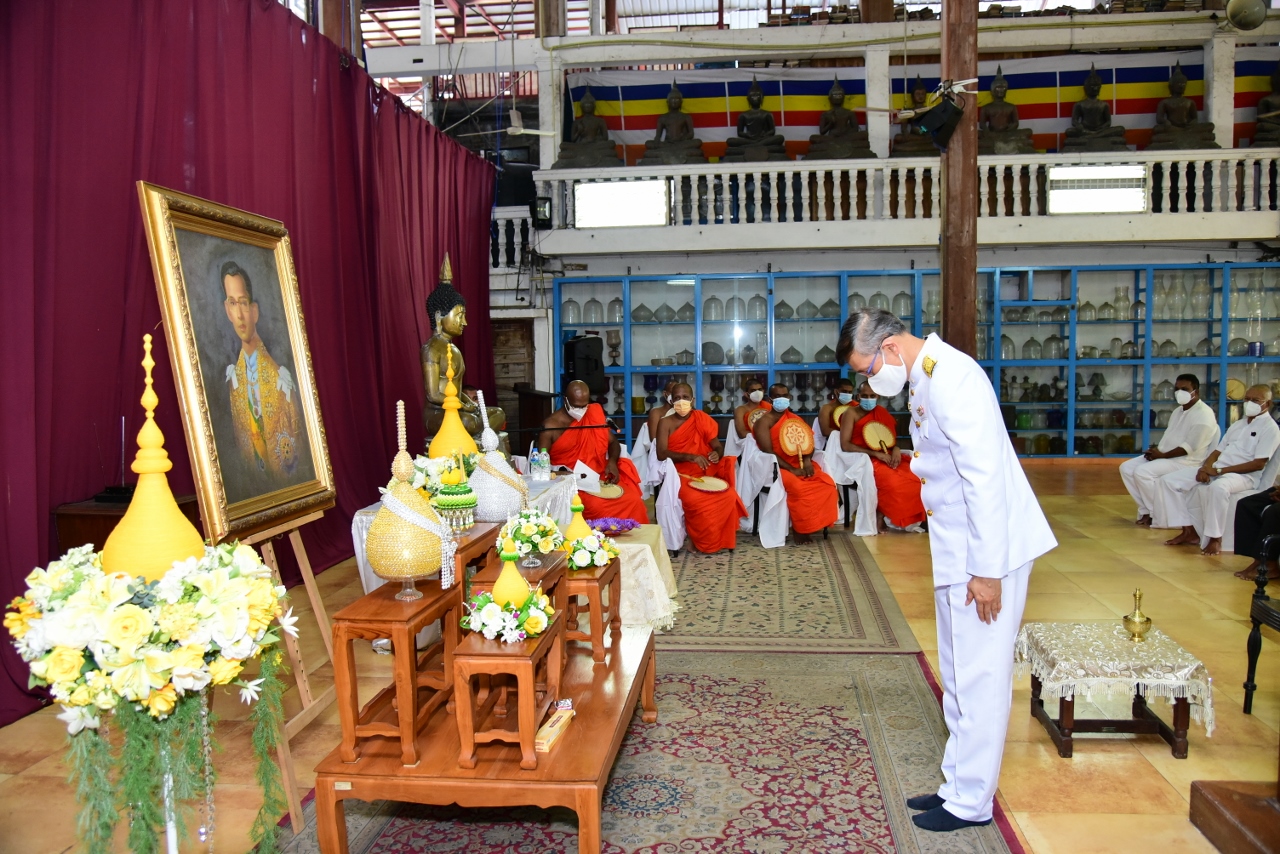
[233, 319]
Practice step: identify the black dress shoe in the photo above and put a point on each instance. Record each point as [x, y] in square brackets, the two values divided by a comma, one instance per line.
[940, 821]
[925, 802]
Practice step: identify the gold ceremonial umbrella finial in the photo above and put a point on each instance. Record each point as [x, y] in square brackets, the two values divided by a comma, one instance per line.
[153, 533]
[446, 270]
[452, 437]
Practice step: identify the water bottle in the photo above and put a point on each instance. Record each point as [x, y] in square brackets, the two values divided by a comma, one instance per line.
[544, 464]
[535, 464]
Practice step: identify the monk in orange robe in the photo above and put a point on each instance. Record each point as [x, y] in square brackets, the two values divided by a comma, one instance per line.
[899, 489]
[579, 432]
[811, 493]
[690, 438]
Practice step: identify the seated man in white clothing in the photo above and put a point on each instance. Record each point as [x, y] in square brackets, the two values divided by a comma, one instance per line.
[1198, 499]
[1192, 433]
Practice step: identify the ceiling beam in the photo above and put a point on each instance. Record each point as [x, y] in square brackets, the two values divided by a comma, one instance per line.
[382, 25]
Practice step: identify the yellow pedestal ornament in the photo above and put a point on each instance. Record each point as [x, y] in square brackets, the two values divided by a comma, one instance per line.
[407, 540]
[578, 527]
[452, 437]
[511, 587]
[153, 533]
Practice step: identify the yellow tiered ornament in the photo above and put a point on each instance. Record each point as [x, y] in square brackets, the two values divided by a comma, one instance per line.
[398, 549]
[452, 437]
[153, 533]
[511, 587]
[578, 527]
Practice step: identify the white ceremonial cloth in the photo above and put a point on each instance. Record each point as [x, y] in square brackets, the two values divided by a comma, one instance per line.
[648, 584]
[1142, 479]
[756, 470]
[849, 467]
[732, 443]
[819, 440]
[668, 507]
[640, 458]
[775, 518]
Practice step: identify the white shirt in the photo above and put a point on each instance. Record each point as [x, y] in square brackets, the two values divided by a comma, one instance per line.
[983, 518]
[1247, 441]
[1195, 430]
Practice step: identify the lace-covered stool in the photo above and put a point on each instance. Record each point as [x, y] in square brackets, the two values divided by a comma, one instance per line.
[1069, 659]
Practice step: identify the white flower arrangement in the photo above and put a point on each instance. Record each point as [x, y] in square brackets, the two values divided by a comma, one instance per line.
[512, 625]
[595, 550]
[96, 638]
[532, 530]
[427, 471]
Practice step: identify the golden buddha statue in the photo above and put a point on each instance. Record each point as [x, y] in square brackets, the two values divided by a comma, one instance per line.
[448, 313]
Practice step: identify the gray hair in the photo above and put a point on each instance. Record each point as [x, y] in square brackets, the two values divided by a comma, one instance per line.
[865, 331]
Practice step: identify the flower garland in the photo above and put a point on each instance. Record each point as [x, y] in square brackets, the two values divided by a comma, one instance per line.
[429, 472]
[147, 652]
[596, 550]
[532, 530]
[511, 624]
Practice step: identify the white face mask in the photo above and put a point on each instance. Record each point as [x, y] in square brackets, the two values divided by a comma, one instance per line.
[1252, 409]
[1182, 396]
[756, 396]
[576, 412]
[682, 407]
[890, 379]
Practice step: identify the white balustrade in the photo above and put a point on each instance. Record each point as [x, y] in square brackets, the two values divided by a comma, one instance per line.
[510, 232]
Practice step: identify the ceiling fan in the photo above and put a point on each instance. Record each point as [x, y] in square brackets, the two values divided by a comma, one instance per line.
[516, 128]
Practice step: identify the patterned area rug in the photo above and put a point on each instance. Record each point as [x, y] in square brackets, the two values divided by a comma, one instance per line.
[827, 596]
[753, 753]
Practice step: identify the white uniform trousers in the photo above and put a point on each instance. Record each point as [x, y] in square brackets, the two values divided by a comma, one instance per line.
[976, 663]
[1142, 478]
[1202, 505]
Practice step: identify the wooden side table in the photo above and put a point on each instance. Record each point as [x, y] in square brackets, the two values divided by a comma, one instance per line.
[380, 614]
[477, 656]
[474, 546]
[547, 576]
[591, 583]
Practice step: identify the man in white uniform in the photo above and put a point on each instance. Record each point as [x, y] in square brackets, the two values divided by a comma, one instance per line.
[1191, 434]
[1198, 500]
[985, 529]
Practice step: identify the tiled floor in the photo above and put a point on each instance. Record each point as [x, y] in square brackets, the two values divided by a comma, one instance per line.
[1114, 792]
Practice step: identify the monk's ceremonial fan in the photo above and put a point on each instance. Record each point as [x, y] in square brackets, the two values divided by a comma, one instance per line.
[878, 437]
[607, 490]
[707, 483]
[755, 415]
[839, 412]
[795, 438]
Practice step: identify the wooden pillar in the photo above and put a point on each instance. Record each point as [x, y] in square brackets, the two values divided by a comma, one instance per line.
[877, 11]
[960, 183]
[549, 18]
[611, 16]
[340, 23]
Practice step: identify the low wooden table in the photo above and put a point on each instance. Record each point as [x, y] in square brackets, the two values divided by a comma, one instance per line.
[475, 546]
[381, 615]
[1067, 659]
[592, 583]
[573, 774]
[547, 576]
[481, 717]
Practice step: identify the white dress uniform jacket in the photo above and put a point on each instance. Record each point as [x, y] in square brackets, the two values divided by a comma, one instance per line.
[983, 517]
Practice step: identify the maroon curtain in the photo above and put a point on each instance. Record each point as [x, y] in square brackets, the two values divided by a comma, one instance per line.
[239, 102]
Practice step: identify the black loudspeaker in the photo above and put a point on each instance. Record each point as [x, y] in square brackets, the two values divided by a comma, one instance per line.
[584, 360]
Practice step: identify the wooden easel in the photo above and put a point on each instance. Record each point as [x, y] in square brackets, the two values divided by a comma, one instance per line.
[312, 705]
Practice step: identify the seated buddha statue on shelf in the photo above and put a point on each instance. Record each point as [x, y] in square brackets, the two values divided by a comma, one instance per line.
[589, 143]
[1177, 120]
[758, 138]
[910, 143]
[1267, 132]
[1091, 128]
[674, 143]
[839, 135]
[998, 131]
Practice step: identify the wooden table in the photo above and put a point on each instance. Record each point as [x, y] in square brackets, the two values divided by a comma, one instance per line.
[547, 576]
[475, 546]
[1143, 722]
[591, 582]
[380, 615]
[573, 774]
[482, 715]
[93, 521]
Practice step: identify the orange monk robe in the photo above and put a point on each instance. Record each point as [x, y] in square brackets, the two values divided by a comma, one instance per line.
[811, 501]
[591, 447]
[899, 489]
[711, 518]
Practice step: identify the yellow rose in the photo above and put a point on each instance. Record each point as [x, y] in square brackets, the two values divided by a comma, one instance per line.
[535, 623]
[81, 696]
[528, 529]
[188, 656]
[223, 670]
[545, 545]
[162, 701]
[63, 664]
[127, 627]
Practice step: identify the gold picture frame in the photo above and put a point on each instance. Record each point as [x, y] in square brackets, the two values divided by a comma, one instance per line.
[241, 362]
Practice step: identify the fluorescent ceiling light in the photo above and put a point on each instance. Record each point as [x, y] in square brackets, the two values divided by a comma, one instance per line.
[611, 204]
[683, 282]
[1120, 188]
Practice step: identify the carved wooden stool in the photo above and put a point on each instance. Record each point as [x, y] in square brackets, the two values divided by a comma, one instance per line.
[591, 582]
[478, 720]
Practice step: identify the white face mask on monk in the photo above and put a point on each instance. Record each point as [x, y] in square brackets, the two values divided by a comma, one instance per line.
[576, 412]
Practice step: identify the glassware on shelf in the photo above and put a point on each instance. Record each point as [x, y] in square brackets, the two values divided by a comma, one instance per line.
[1054, 348]
[1129, 350]
[1201, 295]
[857, 302]
[791, 356]
[1122, 302]
[712, 353]
[1204, 348]
[826, 354]
[1251, 375]
[1087, 313]
[1178, 297]
[1012, 315]
[1044, 316]
[1159, 298]
[1008, 351]
[642, 314]
[830, 308]
[652, 382]
[1168, 350]
[1163, 391]
[1106, 311]
[1023, 420]
[664, 313]
[570, 312]
[712, 308]
[619, 386]
[1116, 347]
[807, 310]
[1138, 311]
[684, 357]
[758, 308]
[800, 395]
[902, 304]
[982, 343]
[613, 314]
[1028, 314]
[1061, 314]
[613, 338]
[1040, 419]
[878, 300]
[1162, 418]
[717, 386]
[762, 343]
[593, 311]
[782, 310]
[749, 355]
[735, 308]
[686, 312]
[1238, 347]
[1032, 349]
[933, 307]
[1088, 352]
